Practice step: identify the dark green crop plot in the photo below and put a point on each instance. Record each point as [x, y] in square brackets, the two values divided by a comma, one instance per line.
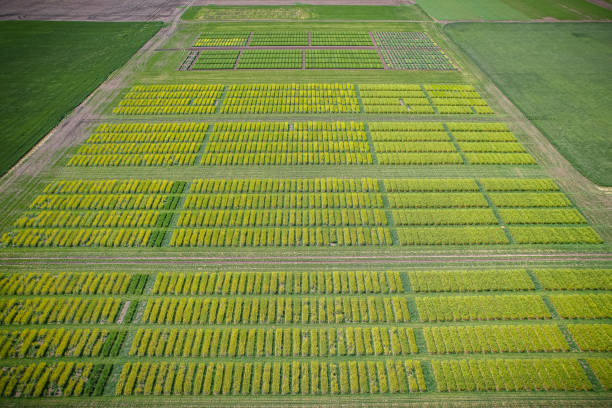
[48, 68]
[559, 76]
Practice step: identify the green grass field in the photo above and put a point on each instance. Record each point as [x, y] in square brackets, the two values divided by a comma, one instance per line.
[558, 75]
[513, 9]
[304, 12]
[48, 68]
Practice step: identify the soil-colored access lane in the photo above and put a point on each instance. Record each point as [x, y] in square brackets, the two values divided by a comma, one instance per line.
[361, 260]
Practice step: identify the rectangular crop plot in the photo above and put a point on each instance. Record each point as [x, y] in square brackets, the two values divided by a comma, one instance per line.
[216, 59]
[277, 283]
[344, 38]
[273, 378]
[412, 51]
[275, 342]
[342, 59]
[426, 99]
[494, 339]
[290, 212]
[222, 39]
[272, 143]
[270, 59]
[170, 99]
[510, 375]
[288, 38]
[291, 98]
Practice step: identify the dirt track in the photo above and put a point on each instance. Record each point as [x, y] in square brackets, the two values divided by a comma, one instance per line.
[361, 260]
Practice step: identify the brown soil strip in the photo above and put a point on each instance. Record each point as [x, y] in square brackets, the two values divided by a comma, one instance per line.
[126, 305]
[361, 260]
[238, 60]
[249, 39]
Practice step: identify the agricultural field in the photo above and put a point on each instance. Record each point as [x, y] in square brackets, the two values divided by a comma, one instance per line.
[65, 62]
[561, 90]
[286, 210]
[269, 333]
[514, 10]
[298, 50]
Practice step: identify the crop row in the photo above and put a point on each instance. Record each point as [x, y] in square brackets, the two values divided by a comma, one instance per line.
[491, 307]
[138, 148]
[203, 107]
[152, 128]
[282, 218]
[293, 136]
[384, 157]
[81, 237]
[222, 39]
[64, 378]
[452, 236]
[151, 137]
[103, 202]
[283, 200]
[169, 159]
[419, 158]
[72, 219]
[494, 339]
[469, 280]
[313, 185]
[216, 59]
[583, 306]
[58, 310]
[277, 342]
[510, 375]
[555, 235]
[602, 367]
[272, 283]
[314, 377]
[262, 159]
[444, 217]
[81, 283]
[290, 236]
[37, 343]
[286, 147]
[206, 310]
[577, 279]
[130, 186]
[592, 337]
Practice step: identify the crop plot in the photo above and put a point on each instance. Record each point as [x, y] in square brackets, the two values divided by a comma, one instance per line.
[269, 333]
[170, 99]
[425, 99]
[276, 39]
[342, 59]
[270, 59]
[412, 51]
[297, 212]
[195, 99]
[222, 39]
[216, 59]
[320, 50]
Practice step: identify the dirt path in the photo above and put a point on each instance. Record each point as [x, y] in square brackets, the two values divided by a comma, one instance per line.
[361, 260]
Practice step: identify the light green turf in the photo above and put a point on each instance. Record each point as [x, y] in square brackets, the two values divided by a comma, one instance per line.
[470, 10]
[304, 12]
[559, 76]
[514, 9]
